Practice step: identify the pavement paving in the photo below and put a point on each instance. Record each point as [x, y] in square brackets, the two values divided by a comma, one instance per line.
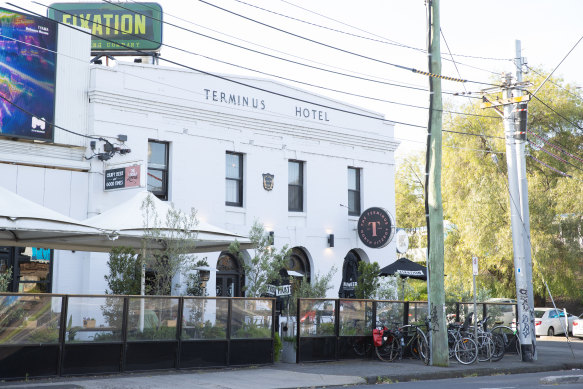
[554, 354]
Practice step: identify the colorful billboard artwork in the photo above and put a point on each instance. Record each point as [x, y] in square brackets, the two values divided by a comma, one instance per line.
[28, 61]
[119, 29]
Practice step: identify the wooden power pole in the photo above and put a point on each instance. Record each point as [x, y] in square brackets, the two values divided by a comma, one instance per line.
[433, 201]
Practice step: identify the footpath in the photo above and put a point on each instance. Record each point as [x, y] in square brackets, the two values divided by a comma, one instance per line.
[553, 355]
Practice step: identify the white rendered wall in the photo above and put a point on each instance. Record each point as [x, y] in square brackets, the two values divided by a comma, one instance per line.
[141, 102]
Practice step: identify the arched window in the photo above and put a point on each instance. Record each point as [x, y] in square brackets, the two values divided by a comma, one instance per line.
[298, 262]
[349, 275]
[229, 276]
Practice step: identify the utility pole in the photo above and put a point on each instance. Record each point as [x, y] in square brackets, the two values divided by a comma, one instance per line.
[433, 201]
[520, 142]
[515, 114]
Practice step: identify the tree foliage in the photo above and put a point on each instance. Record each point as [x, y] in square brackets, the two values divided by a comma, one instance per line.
[476, 201]
[368, 280]
[124, 272]
[265, 265]
[5, 278]
[177, 231]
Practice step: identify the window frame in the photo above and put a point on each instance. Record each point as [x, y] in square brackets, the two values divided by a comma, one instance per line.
[301, 165]
[358, 209]
[163, 193]
[239, 180]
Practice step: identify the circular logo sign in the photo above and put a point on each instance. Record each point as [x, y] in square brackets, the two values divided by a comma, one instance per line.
[375, 228]
[402, 240]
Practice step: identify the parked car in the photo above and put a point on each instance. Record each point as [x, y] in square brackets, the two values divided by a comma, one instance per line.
[502, 314]
[547, 321]
[578, 326]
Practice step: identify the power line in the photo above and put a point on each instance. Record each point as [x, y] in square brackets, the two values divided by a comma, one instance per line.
[537, 147]
[389, 40]
[550, 167]
[556, 67]
[555, 84]
[222, 77]
[346, 51]
[558, 114]
[254, 51]
[547, 142]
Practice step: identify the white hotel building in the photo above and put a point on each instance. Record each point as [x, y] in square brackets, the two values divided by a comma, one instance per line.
[205, 141]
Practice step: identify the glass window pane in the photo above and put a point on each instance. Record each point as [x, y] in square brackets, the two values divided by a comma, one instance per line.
[157, 155]
[294, 175]
[29, 319]
[353, 202]
[152, 318]
[233, 163]
[155, 180]
[232, 192]
[94, 319]
[251, 318]
[205, 318]
[317, 317]
[352, 179]
[294, 198]
[355, 317]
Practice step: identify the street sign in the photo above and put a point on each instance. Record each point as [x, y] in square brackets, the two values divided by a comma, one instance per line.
[475, 265]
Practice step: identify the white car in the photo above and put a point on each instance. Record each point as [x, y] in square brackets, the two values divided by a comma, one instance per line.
[551, 321]
[578, 326]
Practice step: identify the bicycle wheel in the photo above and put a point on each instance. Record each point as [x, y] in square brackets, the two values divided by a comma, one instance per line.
[485, 347]
[422, 346]
[466, 351]
[389, 350]
[511, 341]
[499, 347]
[451, 340]
[361, 347]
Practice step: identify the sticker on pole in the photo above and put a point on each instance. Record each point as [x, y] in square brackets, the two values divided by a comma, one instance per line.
[475, 265]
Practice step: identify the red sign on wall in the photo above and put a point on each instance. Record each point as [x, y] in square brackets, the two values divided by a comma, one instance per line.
[121, 178]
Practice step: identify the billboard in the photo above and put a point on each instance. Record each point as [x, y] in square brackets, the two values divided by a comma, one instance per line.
[28, 64]
[117, 29]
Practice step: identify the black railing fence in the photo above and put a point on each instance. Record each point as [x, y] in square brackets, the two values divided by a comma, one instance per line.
[45, 335]
[334, 329]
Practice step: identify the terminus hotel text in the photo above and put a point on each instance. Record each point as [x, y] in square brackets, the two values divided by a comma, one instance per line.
[246, 101]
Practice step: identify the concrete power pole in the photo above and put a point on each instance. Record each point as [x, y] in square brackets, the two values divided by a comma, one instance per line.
[520, 142]
[515, 133]
[433, 201]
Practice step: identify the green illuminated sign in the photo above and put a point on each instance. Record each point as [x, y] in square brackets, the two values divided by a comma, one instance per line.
[120, 27]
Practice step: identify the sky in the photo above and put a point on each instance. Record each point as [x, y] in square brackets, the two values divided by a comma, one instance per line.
[481, 35]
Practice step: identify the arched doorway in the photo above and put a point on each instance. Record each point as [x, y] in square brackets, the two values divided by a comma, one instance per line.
[349, 275]
[229, 276]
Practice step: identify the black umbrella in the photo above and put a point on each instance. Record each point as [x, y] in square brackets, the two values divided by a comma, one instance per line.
[406, 269]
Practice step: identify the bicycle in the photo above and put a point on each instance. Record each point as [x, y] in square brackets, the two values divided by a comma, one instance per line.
[387, 343]
[415, 341]
[460, 343]
[509, 337]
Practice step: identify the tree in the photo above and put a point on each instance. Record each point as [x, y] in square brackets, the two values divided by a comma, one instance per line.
[368, 280]
[195, 285]
[265, 266]
[124, 272]
[476, 196]
[177, 232]
[410, 198]
[5, 278]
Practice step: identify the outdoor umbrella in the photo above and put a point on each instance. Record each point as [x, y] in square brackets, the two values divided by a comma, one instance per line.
[24, 223]
[128, 225]
[406, 269]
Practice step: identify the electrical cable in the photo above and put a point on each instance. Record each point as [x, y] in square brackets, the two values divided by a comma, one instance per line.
[547, 142]
[389, 40]
[550, 167]
[222, 77]
[554, 83]
[382, 40]
[249, 49]
[347, 51]
[255, 44]
[540, 148]
[556, 67]
[556, 113]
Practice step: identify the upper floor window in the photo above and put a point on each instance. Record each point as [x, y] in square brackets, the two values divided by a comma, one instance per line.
[353, 191]
[295, 186]
[158, 169]
[234, 179]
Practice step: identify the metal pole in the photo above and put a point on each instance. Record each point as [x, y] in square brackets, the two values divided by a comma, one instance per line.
[520, 142]
[523, 319]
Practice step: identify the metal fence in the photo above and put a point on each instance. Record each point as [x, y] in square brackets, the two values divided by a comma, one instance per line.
[334, 329]
[44, 335]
